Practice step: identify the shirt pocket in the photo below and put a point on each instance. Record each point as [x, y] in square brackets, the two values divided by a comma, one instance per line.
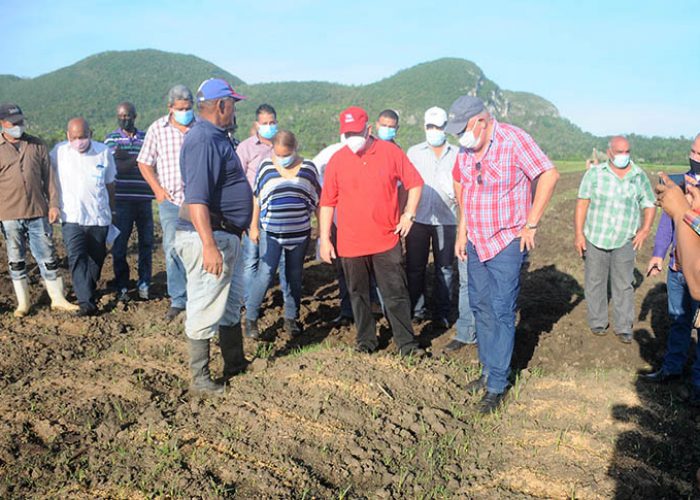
[99, 175]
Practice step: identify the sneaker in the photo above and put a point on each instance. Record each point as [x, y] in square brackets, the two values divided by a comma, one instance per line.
[599, 331]
[292, 327]
[143, 292]
[490, 402]
[173, 313]
[341, 320]
[476, 386]
[454, 345]
[625, 338]
[123, 295]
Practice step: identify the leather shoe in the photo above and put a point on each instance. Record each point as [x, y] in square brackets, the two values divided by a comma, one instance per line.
[341, 320]
[414, 352]
[173, 313]
[490, 402]
[476, 386]
[363, 349]
[659, 377]
[454, 345]
[251, 329]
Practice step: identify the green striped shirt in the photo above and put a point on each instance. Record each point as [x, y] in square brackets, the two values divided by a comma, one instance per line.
[613, 215]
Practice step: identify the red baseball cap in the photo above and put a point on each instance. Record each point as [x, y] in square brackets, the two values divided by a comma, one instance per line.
[353, 119]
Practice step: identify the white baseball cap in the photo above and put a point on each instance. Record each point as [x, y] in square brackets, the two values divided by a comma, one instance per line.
[436, 116]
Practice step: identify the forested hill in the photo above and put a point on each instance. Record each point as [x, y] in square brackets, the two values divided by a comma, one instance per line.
[92, 87]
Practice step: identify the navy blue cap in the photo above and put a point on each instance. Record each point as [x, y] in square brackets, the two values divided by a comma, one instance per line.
[216, 88]
[461, 111]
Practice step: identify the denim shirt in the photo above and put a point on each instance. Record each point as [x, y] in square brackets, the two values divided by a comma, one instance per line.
[438, 203]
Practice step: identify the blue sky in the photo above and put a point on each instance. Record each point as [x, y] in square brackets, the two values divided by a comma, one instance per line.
[609, 66]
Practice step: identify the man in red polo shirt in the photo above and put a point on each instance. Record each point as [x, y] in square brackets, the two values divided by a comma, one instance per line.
[361, 184]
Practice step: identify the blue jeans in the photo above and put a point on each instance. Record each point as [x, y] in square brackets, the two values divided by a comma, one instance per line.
[681, 309]
[493, 292]
[38, 231]
[465, 325]
[251, 262]
[418, 243]
[86, 253]
[174, 268]
[129, 213]
[271, 253]
[208, 304]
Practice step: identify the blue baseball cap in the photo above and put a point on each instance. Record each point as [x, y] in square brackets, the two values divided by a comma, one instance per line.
[216, 88]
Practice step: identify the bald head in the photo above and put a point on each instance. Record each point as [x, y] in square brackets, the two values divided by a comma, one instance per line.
[619, 145]
[126, 108]
[78, 128]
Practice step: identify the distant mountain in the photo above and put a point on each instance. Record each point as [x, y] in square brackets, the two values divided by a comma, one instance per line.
[92, 87]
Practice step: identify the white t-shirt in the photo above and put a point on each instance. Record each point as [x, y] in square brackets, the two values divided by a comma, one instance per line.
[82, 180]
[323, 157]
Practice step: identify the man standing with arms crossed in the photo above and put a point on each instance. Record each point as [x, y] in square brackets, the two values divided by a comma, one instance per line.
[496, 166]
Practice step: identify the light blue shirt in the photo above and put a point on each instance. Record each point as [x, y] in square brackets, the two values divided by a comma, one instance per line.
[438, 203]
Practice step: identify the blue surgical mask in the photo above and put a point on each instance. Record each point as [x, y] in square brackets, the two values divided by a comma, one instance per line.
[285, 161]
[621, 161]
[435, 137]
[184, 117]
[267, 131]
[386, 133]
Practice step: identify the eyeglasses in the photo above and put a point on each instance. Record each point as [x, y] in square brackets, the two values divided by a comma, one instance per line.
[479, 180]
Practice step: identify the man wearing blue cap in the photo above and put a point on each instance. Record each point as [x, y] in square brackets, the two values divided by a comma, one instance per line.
[496, 166]
[217, 209]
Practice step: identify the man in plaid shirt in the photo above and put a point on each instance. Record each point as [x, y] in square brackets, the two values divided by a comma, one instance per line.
[496, 166]
[607, 234]
[159, 163]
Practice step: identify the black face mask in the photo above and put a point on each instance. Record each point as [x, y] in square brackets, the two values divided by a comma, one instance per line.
[694, 166]
[126, 124]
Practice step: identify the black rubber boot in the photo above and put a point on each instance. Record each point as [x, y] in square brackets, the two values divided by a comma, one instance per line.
[199, 365]
[231, 343]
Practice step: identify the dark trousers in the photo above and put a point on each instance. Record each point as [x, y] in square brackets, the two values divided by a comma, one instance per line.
[391, 280]
[130, 213]
[86, 253]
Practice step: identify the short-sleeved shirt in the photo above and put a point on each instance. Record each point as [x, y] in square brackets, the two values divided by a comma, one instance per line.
[82, 181]
[161, 149]
[437, 205]
[212, 176]
[129, 184]
[286, 204]
[497, 190]
[252, 151]
[324, 156]
[363, 188]
[27, 182]
[613, 215]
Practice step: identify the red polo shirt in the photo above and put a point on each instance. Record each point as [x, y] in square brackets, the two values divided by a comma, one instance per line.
[363, 188]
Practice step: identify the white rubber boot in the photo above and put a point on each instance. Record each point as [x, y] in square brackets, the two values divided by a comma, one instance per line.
[58, 300]
[22, 292]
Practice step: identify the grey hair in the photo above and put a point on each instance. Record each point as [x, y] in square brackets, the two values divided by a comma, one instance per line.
[617, 137]
[179, 93]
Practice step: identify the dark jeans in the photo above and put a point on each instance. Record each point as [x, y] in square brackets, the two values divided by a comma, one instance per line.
[493, 293]
[391, 280]
[270, 256]
[86, 254]
[345, 306]
[130, 213]
[418, 244]
[681, 309]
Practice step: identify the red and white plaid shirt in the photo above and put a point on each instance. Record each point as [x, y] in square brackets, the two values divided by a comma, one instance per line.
[161, 149]
[497, 190]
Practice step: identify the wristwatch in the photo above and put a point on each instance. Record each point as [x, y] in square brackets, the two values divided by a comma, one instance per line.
[530, 226]
[411, 216]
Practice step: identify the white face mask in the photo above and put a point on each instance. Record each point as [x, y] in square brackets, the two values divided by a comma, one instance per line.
[468, 140]
[355, 142]
[435, 137]
[14, 132]
[621, 161]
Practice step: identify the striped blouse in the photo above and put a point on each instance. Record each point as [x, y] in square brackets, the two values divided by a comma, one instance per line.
[286, 204]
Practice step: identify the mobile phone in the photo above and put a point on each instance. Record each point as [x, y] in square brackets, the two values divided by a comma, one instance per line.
[679, 179]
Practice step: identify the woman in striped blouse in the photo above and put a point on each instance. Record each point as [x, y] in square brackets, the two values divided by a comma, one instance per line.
[286, 193]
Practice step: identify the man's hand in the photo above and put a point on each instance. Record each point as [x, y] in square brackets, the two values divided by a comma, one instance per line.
[671, 198]
[461, 246]
[327, 251]
[254, 235]
[212, 260]
[639, 238]
[580, 244]
[162, 195]
[527, 238]
[655, 266]
[404, 225]
[54, 215]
